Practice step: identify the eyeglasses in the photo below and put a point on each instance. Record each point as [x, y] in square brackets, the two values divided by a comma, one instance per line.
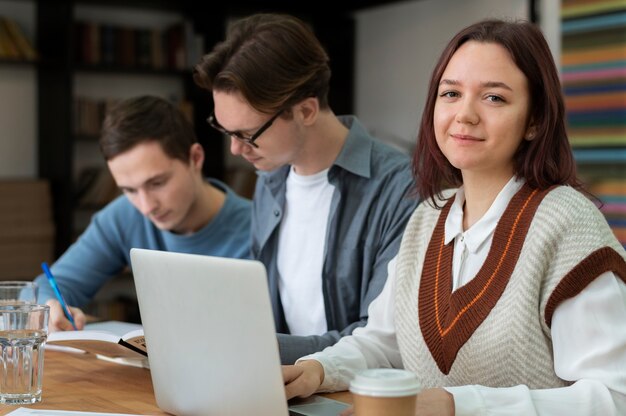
[237, 134]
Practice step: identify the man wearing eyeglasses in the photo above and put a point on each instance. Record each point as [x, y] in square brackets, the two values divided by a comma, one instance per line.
[330, 202]
[156, 161]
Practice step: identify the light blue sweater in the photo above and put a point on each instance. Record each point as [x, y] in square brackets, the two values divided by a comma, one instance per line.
[103, 250]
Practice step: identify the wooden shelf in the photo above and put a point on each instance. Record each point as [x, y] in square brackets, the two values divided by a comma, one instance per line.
[17, 62]
[124, 70]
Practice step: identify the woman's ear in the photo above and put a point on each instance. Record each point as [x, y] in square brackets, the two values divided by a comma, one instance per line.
[531, 132]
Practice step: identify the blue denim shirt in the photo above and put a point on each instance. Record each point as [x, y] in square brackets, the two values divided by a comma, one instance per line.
[371, 204]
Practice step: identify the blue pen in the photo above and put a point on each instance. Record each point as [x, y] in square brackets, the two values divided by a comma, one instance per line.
[57, 292]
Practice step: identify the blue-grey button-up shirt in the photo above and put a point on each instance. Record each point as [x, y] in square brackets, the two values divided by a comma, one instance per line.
[370, 206]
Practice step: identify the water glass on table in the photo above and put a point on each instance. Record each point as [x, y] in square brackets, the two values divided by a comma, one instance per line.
[18, 292]
[23, 333]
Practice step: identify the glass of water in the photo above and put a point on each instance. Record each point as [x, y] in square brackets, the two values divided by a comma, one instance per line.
[18, 292]
[23, 333]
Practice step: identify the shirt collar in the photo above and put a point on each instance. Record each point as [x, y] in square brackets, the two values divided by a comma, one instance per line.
[356, 154]
[479, 233]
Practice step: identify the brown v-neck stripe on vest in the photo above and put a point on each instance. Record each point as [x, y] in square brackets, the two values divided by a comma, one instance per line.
[447, 320]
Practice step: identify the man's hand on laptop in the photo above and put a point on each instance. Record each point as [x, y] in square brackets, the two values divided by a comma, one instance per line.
[59, 322]
[302, 379]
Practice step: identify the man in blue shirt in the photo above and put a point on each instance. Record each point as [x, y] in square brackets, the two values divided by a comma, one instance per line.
[156, 161]
[330, 203]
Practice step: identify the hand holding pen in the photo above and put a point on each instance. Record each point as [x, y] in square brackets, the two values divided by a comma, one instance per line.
[59, 296]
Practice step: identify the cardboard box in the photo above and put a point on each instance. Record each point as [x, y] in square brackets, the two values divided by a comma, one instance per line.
[26, 228]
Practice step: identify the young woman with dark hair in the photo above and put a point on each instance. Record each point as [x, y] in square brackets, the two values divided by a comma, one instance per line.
[508, 294]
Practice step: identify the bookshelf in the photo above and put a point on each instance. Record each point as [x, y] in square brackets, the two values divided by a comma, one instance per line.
[17, 101]
[594, 73]
[65, 73]
[14, 44]
[62, 78]
[68, 156]
[26, 222]
[67, 30]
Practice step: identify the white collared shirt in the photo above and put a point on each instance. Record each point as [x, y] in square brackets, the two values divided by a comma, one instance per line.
[471, 247]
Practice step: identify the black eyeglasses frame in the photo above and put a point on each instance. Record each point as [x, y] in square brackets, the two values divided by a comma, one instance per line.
[237, 134]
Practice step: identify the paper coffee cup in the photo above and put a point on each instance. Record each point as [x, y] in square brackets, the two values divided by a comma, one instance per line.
[384, 392]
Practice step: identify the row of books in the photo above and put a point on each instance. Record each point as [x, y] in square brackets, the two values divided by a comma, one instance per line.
[594, 80]
[175, 47]
[89, 114]
[612, 193]
[14, 45]
[594, 71]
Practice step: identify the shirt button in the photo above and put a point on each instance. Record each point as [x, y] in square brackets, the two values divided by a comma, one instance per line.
[276, 213]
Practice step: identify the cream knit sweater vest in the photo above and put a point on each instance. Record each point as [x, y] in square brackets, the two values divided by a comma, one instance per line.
[480, 335]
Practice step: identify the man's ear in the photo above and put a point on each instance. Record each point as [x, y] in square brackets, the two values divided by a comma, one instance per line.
[196, 156]
[307, 110]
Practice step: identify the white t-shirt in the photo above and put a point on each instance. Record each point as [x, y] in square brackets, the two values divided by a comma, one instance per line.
[300, 258]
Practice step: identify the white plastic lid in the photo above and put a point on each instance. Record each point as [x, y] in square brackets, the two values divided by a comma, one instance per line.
[385, 382]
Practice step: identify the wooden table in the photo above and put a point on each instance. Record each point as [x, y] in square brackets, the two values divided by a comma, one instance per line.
[83, 382]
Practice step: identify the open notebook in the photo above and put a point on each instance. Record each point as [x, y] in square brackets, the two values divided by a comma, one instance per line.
[210, 334]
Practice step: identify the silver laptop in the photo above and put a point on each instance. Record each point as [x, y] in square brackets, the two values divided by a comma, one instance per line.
[211, 338]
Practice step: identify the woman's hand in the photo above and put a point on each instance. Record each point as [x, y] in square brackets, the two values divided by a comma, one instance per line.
[302, 379]
[435, 402]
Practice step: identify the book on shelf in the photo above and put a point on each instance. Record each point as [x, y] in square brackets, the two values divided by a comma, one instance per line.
[89, 113]
[118, 341]
[15, 43]
[8, 48]
[174, 47]
[611, 193]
